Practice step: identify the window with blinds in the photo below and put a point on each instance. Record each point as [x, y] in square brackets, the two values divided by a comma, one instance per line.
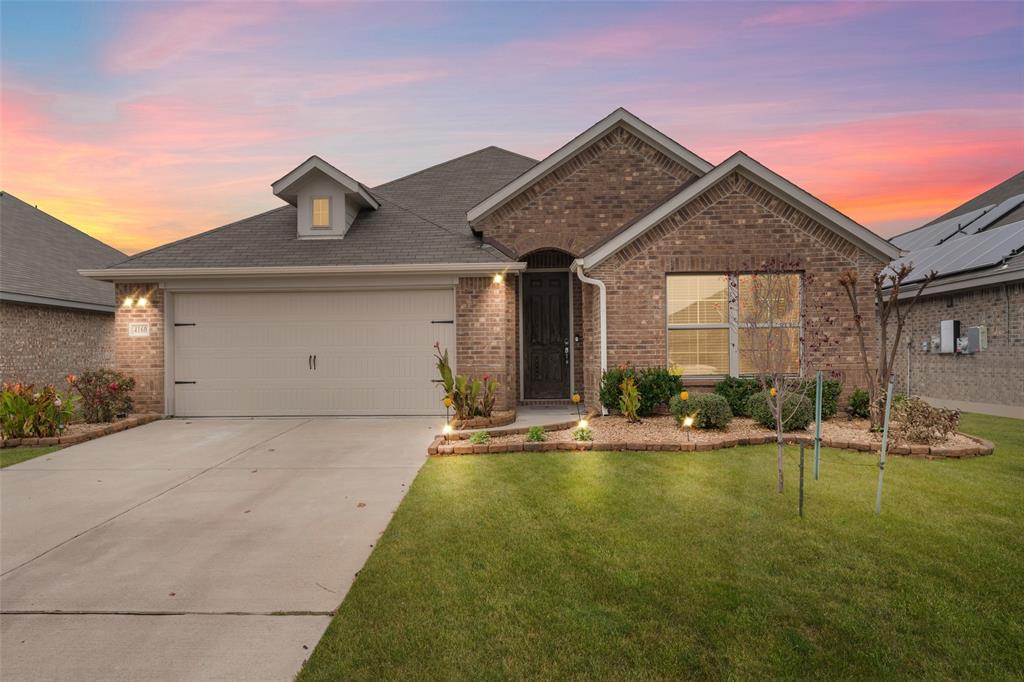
[712, 334]
[698, 324]
[321, 212]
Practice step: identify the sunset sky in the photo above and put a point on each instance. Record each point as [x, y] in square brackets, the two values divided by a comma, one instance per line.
[142, 123]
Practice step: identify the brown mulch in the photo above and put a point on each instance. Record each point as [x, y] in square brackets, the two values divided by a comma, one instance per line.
[663, 429]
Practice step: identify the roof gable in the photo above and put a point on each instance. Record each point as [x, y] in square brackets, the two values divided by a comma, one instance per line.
[285, 188]
[831, 218]
[619, 117]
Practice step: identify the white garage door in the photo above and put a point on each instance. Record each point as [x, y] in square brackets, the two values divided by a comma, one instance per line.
[310, 353]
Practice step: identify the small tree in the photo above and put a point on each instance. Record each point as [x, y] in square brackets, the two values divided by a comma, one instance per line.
[887, 304]
[770, 321]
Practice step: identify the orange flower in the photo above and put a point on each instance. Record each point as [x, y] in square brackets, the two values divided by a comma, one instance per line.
[576, 397]
[447, 401]
[71, 379]
[773, 392]
[684, 395]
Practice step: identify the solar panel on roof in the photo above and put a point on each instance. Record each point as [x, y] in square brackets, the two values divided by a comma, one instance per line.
[932, 235]
[969, 252]
[995, 214]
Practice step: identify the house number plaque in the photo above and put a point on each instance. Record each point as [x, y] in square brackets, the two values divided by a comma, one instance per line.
[138, 329]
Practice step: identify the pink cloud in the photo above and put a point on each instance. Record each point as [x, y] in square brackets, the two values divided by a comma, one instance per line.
[897, 171]
[810, 13]
[157, 38]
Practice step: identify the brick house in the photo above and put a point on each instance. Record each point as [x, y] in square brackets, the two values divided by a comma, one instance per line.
[53, 321]
[977, 249]
[619, 247]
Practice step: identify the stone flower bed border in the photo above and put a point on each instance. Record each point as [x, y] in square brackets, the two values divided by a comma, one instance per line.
[89, 434]
[457, 444]
[497, 418]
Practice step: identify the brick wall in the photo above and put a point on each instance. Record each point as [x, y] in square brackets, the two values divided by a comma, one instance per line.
[486, 324]
[43, 344]
[589, 197]
[990, 377]
[732, 226]
[142, 357]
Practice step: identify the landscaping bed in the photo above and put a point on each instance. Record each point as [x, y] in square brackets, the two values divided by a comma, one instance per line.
[79, 432]
[661, 433]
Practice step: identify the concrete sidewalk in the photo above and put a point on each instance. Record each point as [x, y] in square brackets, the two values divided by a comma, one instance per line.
[194, 549]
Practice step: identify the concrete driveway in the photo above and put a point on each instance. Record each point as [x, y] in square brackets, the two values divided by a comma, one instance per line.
[199, 549]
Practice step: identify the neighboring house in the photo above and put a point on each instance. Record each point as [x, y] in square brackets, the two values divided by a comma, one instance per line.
[53, 321]
[613, 249]
[977, 249]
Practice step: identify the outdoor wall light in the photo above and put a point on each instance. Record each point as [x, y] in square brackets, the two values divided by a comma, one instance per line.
[142, 302]
[127, 302]
[499, 278]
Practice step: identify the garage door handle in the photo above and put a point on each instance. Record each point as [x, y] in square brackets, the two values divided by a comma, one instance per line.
[309, 361]
[314, 363]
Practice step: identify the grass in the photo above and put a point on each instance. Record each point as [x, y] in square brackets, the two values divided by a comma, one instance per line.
[9, 456]
[689, 565]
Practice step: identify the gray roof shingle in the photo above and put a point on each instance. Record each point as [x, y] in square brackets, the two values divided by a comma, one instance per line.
[40, 257]
[421, 220]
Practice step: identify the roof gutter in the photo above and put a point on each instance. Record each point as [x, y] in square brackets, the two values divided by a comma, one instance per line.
[140, 274]
[577, 266]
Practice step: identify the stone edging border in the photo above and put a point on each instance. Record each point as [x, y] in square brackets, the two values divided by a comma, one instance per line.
[441, 446]
[119, 425]
[497, 418]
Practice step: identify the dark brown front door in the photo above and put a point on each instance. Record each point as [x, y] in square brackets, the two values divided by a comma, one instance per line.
[546, 334]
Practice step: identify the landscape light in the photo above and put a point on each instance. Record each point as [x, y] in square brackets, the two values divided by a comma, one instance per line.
[584, 423]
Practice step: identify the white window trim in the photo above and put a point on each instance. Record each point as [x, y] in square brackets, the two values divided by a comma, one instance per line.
[330, 213]
[733, 324]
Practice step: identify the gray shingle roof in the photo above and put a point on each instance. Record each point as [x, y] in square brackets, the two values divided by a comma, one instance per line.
[421, 220]
[1001, 192]
[40, 257]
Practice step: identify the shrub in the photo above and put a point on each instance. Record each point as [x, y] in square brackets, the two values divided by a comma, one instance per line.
[656, 386]
[611, 385]
[915, 421]
[26, 412]
[737, 392]
[629, 400]
[797, 411]
[479, 438]
[489, 397]
[712, 410]
[860, 404]
[830, 390]
[536, 434]
[582, 433]
[106, 394]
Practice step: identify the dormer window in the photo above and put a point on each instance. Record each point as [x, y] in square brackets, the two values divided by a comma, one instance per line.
[321, 211]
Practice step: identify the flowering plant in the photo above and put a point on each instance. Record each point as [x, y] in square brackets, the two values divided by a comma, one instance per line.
[106, 394]
[27, 412]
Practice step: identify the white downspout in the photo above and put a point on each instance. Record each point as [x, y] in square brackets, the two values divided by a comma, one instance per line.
[577, 265]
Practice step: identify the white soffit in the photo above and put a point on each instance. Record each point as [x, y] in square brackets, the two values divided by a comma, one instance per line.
[620, 116]
[282, 188]
[739, 161]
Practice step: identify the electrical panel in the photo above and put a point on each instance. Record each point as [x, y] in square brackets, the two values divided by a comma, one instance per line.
[949, 332]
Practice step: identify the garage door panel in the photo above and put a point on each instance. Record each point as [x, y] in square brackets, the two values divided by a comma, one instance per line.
[249, 352]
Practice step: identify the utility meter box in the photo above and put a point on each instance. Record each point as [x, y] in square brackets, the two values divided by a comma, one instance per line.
[949, 332]
[977, 339]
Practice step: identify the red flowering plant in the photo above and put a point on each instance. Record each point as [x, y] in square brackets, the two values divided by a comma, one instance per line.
[106, 394]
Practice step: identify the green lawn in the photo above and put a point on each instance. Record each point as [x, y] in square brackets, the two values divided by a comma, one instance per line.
[689, 565]
[9, 456]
